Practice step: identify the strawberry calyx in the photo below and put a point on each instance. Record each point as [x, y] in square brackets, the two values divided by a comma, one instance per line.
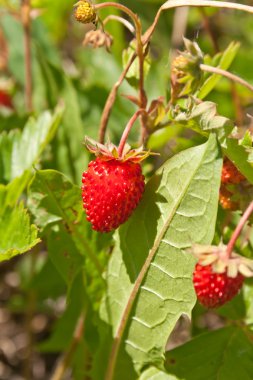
[221, 262]
[109, 151]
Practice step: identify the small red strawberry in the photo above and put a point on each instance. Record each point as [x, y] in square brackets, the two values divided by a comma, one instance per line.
[112, 186]
[218, 277]
[215, 289]
[5, 99]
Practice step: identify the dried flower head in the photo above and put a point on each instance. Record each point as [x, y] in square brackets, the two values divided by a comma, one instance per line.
[98, 38]
[221, 262]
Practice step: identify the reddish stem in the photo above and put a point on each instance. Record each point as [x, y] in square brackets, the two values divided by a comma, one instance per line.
[239, 228]
[140, 54]
[127, 130]
[111, 99]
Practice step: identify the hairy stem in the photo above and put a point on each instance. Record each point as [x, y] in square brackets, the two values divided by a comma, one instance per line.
[128, 129]
[239, 228]
[122, 7]
[123, 21]
[111, 99]
[227, 74]
[26, 20]
[140, 54]
[66, 359]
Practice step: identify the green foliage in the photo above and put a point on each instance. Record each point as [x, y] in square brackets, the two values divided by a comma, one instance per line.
[124, 294]
[225, 59]
[179, 208]
[53, 199]
[240, 155]
[203, 118]
[17, 234]
[65, 326]
[217, 354]
[22, 150]
[155, 374]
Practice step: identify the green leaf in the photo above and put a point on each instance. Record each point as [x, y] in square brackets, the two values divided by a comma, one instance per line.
[133, 74]
[203, 119]
[149, 278]
[224, 63]
[10, 193]
[64, 328]
[156, 374]
[17, 234]
[223, 354]
[70, 154]
[247, 296]
[46, 282]
[240, 156]
[53, 199]
[247, 139]
[21, 150]
[64, 254]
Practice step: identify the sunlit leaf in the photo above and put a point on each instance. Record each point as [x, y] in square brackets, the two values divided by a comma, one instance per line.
[21, 150]
[225, 61]
[149, 278]
[17, 234]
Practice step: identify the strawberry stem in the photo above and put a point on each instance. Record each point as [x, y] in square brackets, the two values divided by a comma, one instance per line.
[227, 74]
[239, 228]
[127, 130]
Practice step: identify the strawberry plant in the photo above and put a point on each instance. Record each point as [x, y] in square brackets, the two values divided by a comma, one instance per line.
[126, 190]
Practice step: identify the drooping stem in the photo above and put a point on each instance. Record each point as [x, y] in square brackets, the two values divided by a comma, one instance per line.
[128, 129]
[192, 3]
[239, 228]
[26, 20]
[122, 20]
[227, 74]
[66, 360]
[111, 99]
[140, 54]
[122, 7]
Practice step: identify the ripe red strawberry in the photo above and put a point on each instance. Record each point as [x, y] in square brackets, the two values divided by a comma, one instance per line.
[215, 289]
[111, 191]
[112, 186]
[5, 99]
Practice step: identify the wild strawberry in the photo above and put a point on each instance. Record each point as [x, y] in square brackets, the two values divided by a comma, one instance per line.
[230, 179]
[5, 99]
[112, 186]
[218, 276]
[230, 173]
[215, 289]
[84, 12]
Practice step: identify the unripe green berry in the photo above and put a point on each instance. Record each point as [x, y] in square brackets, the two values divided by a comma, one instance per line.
[85, 13]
